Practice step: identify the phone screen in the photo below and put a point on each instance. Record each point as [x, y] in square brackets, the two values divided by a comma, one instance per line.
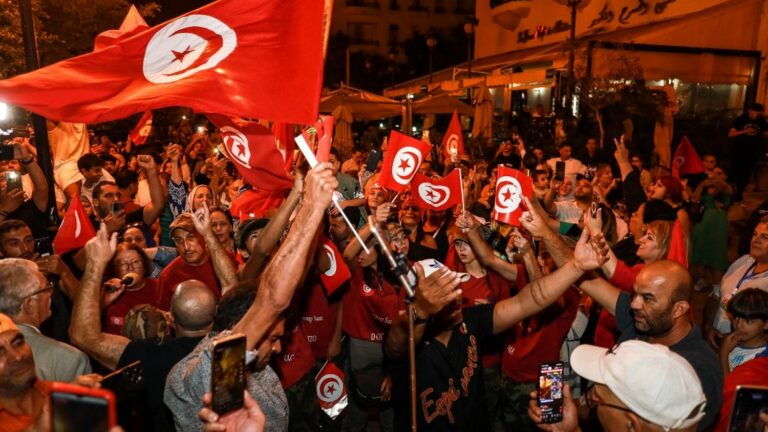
[13, 180]
[43, 246]
[560, 171]
[74, 413]
[748, 404]
[551, 392]
[228, 374]
[373, 160]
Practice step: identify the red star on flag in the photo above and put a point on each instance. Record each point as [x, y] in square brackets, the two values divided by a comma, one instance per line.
[179, 55]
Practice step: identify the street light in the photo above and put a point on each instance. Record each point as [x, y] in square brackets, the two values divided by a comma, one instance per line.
[469, 28]
[431, 42]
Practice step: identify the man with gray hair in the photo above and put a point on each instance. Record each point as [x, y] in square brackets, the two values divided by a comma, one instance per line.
[25, 296]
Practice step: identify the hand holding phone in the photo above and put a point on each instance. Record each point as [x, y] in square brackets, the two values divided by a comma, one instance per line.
[550, 392]
[228, 374]
[560, 171]
[75, 408]
[12, 179]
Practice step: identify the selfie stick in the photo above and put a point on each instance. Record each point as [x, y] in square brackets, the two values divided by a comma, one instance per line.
[312, 160]
[399, 266]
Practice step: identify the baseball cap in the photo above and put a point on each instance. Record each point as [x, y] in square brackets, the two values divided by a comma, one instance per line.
[655, 383]
[394, 229]
[246, 228]
[6, 323]
[430, 266]
[183, 221]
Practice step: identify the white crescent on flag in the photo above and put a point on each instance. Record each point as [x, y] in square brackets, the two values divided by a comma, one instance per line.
[329, 388]
[332, 259]
[186, 46]
[237, 144]
[78, 227]
[508, 195]
[406, 163]
[434, 195]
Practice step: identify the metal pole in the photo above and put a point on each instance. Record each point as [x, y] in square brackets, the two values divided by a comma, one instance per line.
[571, 57]
[346, 69]
[431, 49]
[38, 122]
[469, 55]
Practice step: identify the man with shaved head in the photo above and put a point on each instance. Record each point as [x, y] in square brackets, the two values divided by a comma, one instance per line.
[192, 305]
[659, 312]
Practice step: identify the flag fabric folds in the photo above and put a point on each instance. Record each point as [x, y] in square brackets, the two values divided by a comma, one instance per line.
[511, 186]
[402, 161]
[453, 140]
[436, 194]
[330, 390]
[686, 160]
[255, 59]
[75, 229]
[253, 150]
[133, 23]
[337, 272]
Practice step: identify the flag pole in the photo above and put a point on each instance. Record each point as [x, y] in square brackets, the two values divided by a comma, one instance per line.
[461, 184]
[395, 198]
[312, 160]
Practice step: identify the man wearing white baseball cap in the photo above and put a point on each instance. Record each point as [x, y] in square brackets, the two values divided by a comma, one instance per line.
[638, 387]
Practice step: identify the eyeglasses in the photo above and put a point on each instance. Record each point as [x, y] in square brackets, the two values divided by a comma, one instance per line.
[48, 287]
[130, 264]
[593, 401]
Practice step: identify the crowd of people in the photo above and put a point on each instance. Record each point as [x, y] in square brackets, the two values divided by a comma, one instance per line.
[600, 274]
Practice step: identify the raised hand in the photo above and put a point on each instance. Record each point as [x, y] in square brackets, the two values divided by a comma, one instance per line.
[319, 186]
[10, 201]
[570, 421]
[533, 220]
[466, 222]
[436, 291]
[147, 162]
[99, 250]
[250, 418]
[586, 255]
[202, 219]
[621, 153]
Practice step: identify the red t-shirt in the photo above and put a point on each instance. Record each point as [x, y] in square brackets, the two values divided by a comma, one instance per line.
[368, 310]
[538, 339]
[19, 422]
[488, 289]
[179, 271]
[318, 320]
[748, 373]
[623, 278]
[296, 358]
[114, 314]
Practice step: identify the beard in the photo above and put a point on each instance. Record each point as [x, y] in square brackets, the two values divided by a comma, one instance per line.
[15, 383]
[658, 324]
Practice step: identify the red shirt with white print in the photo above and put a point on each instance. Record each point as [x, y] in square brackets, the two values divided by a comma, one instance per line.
[296, 358]
[369, 308]
[318, 320]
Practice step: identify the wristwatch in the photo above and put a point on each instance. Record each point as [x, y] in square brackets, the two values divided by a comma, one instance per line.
[27, 161]
[418, 320]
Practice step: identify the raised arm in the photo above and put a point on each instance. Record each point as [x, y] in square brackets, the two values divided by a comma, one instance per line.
[468, 224]
[540, 293]
[286, 269]
[272, 233]
[622, 157]
[23, 152]
[222, 264]
[432, 294]
[85, 327]
[156, 190]
[532, 268]
[536, 223]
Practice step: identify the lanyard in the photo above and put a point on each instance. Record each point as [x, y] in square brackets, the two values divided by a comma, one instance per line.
[749, 274]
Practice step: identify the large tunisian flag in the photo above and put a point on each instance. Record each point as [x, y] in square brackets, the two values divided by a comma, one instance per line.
[402, 161]
[511, 186]
[255, 58]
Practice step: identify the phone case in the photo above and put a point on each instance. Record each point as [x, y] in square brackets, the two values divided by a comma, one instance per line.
[59, 387]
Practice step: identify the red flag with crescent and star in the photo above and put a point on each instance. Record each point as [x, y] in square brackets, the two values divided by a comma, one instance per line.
[140, 133]
[330, 389]
[511, 186]
[323, 130]
[453, 140]
[253, 150]
[686, 160]
[402, 161]
[255, 59]
[436, 194]
[337, 272]
[75, 229]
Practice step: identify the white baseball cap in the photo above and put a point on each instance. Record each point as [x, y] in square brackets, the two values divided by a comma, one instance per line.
[655, 383]
[430, 266]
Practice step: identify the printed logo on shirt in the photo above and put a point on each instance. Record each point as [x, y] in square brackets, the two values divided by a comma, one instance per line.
[117, 320]
[443, 405]
[367, 290]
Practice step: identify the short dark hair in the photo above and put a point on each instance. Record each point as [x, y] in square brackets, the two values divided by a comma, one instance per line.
[749, 303]
[89, 161]
[565, 144]
[97, 189]
[112, 269]
[234, 304]
[106, 157]
[11, 225]
[334, 152]
[125, 178]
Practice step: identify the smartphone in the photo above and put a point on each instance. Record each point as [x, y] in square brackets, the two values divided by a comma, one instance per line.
[75, 408]
[13, 180]
[747, 405]
[6, 152]
[43, 246]
[373, 160]
[550, 387]
[228, 374]
[595, 205]
[116, 208]
[559, 170]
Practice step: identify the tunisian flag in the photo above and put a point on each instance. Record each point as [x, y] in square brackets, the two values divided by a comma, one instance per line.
[337, 272]
[323, 131]
[140, 133]
[330, 390]
[255, 58]
[453, 141]
[75, 229]
[132, 24]
[511, 186]
[686, 160]
[440, 194]
[253, 150]
[402, 161]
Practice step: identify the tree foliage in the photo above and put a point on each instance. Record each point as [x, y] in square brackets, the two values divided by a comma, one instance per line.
[63, 28]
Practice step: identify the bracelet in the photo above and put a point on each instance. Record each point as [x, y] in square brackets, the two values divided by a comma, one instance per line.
[27, 161]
